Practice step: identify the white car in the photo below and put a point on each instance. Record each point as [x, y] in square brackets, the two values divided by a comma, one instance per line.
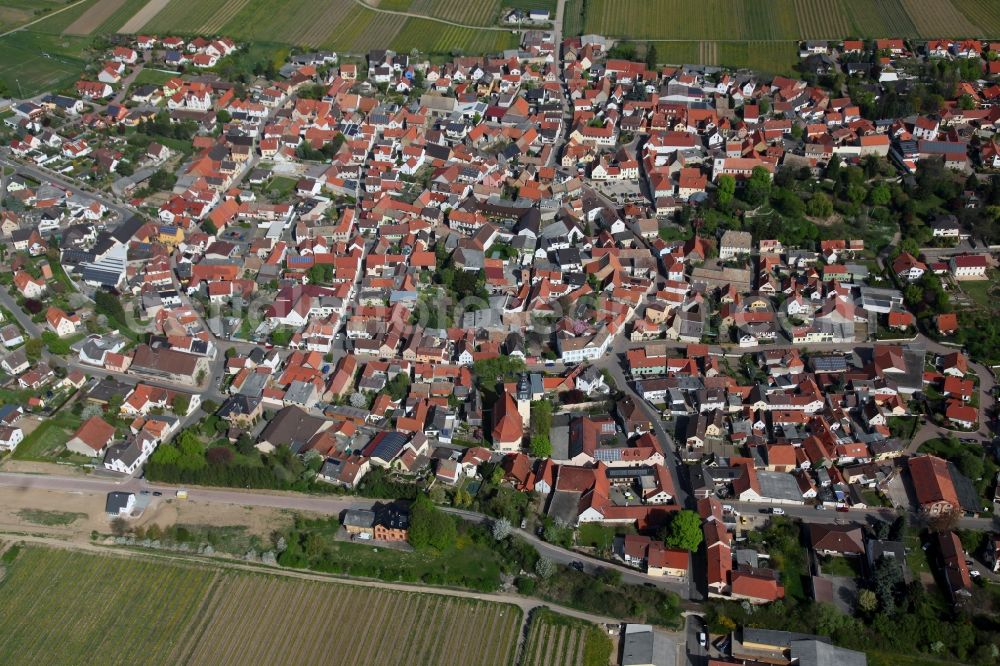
[974, 573]
[702, 639]
[777, 511]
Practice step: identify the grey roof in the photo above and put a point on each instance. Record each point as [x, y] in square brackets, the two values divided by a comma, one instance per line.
[127, 452]
[778, 485]
[812, 652]
[642, 645]
[359, 518]
[107, 388]
[116, 502]
[775, 637]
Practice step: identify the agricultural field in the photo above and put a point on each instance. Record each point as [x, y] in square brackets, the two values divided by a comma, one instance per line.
[104, 16]
[446, 39]
[407, 628]
[790, 19]
[771, 57]
[14, 13]
[32, 62]
[557, 639]
[344, 25]
[64, 607]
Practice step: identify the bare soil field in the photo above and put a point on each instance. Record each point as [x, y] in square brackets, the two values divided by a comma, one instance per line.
[91, 19]
[28, 511]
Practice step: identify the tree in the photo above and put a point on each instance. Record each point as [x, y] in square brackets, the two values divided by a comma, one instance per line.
[946, 521]
[880, 195]
[500, 529]
[110, 306]
[55, 344]
[651, 56]
[219, 455]
[541, 447]
[119, 526]
[245, 445]
[223, 116]
[833, 168]
[358, 400]
[430, 527]
[124, 168]
[181, 404]
[725, 190]
[541, 417]
[867, 601]
[33, 348]
[820, 206]
[162, 180]
[398, 386]
[545, 567]
[684, 531]
[758, 186]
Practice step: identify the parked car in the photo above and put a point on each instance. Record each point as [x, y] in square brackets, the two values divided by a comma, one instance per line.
[974, 573]
[777, 511]
[820, 507]
[843, 509]
[702, 639]
[578, 565]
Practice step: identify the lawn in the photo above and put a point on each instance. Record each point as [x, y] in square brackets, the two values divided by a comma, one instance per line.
[846, 567]
[154, 77]
[982, 293]
[14, 13]
[916, 558]
[32, 62]
[48, 441]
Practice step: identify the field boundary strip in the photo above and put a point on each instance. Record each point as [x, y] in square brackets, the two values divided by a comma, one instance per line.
[144, 16]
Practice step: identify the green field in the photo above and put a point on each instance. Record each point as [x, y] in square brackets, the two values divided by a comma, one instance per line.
[65, 607]
[40, 58]
[557, 639]
[345, 25]
[791, 19]
[62, 607]
[14, 13]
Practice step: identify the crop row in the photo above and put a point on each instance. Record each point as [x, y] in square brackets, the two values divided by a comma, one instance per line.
[65, 607]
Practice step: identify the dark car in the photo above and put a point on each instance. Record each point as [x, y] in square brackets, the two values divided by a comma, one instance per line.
[843, 509]
[157, 493]
[578, 565]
